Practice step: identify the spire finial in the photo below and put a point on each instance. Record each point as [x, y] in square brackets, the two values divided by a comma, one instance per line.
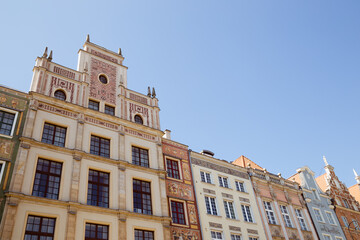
[50, 56]
[153, 93]
[45, 53]
[120, 53]
[149, 92]
[88, 38]
[325, 161]
[357, 177]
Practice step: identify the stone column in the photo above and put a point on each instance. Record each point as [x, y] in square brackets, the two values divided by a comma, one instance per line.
[19, 168]
[122, 227]
[166, 229]
[30, 119]
[163, 196]
[121, 146]
[71, 224]
[79, 134]
[75, 179]
[8, 220]
[122, 188]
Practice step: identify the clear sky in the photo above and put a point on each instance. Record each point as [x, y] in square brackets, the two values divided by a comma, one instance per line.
[276, 81]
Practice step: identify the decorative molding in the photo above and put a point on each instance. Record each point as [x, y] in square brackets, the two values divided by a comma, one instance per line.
[209, 191]
[57, 110]
[215, 225]
[101, 123]
[244, 200]
[138, 98]
[233, 228]
[63, 72]
[106, 57]
[252, 231]
[68, 86]
[227, 195]
[140, 134]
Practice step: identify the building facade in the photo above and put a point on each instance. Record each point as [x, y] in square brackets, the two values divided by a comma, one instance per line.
[180, 191]
[283, 211]
[13, 109]
[355, 189]
[346, 207]
[226, 200]
[90, 163]
[319, 206]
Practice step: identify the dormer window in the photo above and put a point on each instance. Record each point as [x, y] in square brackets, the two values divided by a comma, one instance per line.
[59, 94]
[138, 119]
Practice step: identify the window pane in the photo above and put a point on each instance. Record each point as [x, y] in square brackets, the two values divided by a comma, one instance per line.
[100, 146]
[40, 227]
[6, 122]
[98, 189]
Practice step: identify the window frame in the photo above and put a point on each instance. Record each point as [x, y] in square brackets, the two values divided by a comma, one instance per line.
[99, 185]
[247, 213]
[206, 177]
[327, 236]
[101, 143]
[345, 221]
[330, 218]
[216, 232]
[235, 236]
[301, 219]
[96, 231]
[14, 123]
[63, 92]
[230, 211]
[144, 231]
[2, 169]
[54, 134]
[211, 206]
[106, 110]
[39, 233]
[172, 169]
[224, 182]
[139, 161]
[39, 174]
[138, 117]
[318, 216]
[177, 212]
[286, 216]
[142, 193]
[240, 186]
[270, 213]
[91, 106]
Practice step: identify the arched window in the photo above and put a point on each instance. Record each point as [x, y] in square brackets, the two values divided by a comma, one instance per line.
[59, 94]
[138, 119]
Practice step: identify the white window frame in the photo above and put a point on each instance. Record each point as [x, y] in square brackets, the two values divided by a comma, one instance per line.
[330, 218]
[14, 123]
[229, 209]
[235, 236]
[206, 176]
[301, 220]
[345, 221]
[2, 169]
[327, 236]
[216, 232]
[339, 238]
[286, 216]
[318, 215]
[224, 182]
[240, 186]
[316, 194]
[253, 238]
[270, 213]
[212, 206]
[247, 213]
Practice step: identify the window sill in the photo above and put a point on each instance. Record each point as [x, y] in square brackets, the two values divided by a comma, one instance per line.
[213, 215]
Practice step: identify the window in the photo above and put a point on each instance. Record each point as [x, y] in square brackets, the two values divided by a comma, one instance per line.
[6, 122]
[338, 238]
[103, 79]
[247, 213]
[253, 238]
[356, 225]
[346, 204]
[286, 216]
[330, 218]
[142, 197]
[210, 205]
[54, 135]
[47, 179]
[223, 182]
[327, 237]
[172, 168]
[100, 146]
[177, 212]
[205, 177]
[216, 235]
[140, 156]
[301, 219]
[39, 228]
[269, 212]
[144, 235]
[109, 110]
[316, 195]
[59, 94]
[229, 210]
[235, 237]
[98, 189]
[318, 215]
[240, 186]
[93, 105]
[2, 168]
[345, 221]
[138, 119]
[96, 231]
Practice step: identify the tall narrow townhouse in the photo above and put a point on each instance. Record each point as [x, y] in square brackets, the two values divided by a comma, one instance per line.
[90, 165]
[13, 109]
[319, 206]
[283, 210]
[346, 206]
[226, 200]
[185, 222]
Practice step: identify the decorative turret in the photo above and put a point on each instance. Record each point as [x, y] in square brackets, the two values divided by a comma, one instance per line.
[357, 177]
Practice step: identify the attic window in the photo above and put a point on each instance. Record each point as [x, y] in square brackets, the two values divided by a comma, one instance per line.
[103, 79]
[59, 94]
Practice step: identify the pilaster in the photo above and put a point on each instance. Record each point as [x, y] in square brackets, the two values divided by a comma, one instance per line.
[71, 224]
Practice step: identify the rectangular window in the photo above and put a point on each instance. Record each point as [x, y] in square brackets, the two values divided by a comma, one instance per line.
[143, 235]
[39, 228]
[210, 205]
[318, 215]
[346, 204]
[269, 212]
[142, 197]
[247, 213]
[235, 237]
[253, 238]
[327, 237]
[330, 218]
[338, 238]
[96, 231]
[223, 182]
[109, 110]
[2, 169]
[205, 177]
[54, 135]
[47, 179]
[177, 212]
[98, 189]
[93, 105]
[301, 219]
[100, 146]
[140, 156]
[216, 235]
[345, 221]
[172, 168]
[7, 121]
[229, 210]
[316, 195]
[286, 216]
[240, 186]
[356, 225]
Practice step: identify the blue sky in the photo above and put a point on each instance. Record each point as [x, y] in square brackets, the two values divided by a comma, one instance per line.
[276, 81]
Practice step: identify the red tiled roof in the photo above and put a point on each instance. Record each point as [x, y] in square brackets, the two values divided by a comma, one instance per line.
[244, 162]
[355, 191]
[321, 181]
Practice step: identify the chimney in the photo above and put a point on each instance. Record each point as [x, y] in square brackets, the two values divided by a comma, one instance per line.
[207, 153]
[167, 134]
